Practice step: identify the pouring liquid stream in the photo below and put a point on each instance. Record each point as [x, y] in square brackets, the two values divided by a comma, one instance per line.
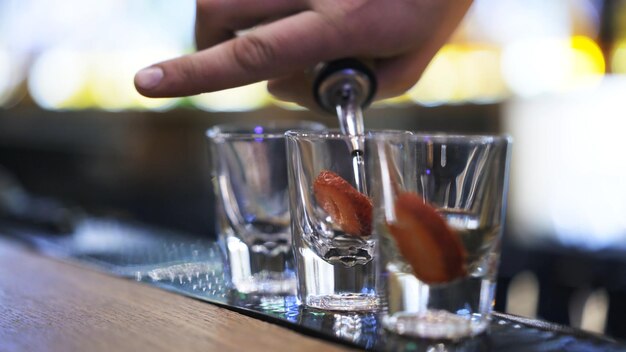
[345, 87]
[350, 115]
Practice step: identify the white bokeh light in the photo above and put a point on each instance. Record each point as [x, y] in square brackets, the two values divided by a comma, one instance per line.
[57, 76]
[112, 85]
[534, 67]
[568, 175]
[5, 75]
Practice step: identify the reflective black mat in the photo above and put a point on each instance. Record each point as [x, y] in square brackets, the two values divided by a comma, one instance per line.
[192, 267]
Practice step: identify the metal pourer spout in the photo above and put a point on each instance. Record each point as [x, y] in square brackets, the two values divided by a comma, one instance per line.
[345, 87]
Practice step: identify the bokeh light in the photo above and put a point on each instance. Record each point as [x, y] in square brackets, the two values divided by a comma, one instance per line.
[567, 181]
[552, 65]
[250, 97]
[439, 82]
[5, 76]
[112, 85]
[58, 80]
[503, 49]
[588, 64]
[461, 73]
[618, 58]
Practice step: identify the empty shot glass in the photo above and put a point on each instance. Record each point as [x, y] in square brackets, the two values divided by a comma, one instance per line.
[252, 208]
[439, 211]
[333, 239]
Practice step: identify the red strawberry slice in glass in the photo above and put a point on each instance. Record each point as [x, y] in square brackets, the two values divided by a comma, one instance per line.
[347, 207]
[426, 242]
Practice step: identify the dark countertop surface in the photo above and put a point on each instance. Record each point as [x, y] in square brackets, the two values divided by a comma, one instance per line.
[192, 267]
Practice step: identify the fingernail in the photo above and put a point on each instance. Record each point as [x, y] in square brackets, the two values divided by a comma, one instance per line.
[149, 77]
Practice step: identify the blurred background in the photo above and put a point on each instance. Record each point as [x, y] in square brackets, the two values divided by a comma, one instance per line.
[550, 73]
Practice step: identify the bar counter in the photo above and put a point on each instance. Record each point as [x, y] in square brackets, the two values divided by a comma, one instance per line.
[113, 285]
[52, 305]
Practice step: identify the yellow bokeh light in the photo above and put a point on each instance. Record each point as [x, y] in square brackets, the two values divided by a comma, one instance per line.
[480, 75]
[587, 57]
[618, 58]
[461, 73]
[439, 82]
[287, 105]
[586, 64]
[393, 101]
[111, 84]
[245, 98]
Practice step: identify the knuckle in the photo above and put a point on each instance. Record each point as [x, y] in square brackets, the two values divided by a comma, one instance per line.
[208, 11]
[253, 53]
[206, 6]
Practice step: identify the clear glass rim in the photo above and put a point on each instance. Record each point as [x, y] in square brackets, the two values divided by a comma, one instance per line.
[441, 137]
[254, 130]
[336, 134]
[414, 136]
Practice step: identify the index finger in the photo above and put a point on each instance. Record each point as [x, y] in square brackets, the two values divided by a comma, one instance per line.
[273, 50]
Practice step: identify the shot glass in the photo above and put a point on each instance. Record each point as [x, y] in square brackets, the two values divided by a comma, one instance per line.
[252, 209]
[439, 211]
[333, 239]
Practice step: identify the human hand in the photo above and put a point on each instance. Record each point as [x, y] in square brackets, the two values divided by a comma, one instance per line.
[288, 37]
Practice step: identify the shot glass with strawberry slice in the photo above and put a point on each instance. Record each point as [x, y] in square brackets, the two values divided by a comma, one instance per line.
[440, 220]
[332, 220]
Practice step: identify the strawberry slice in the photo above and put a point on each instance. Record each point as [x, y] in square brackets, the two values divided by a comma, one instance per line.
[347, 207]
[426, 242]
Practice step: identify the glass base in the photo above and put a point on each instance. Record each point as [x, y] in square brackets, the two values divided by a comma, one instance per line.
[265, 282]
[345, 302]
[436, 324]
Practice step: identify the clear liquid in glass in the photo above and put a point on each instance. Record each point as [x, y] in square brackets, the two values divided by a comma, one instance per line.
[451, 310]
